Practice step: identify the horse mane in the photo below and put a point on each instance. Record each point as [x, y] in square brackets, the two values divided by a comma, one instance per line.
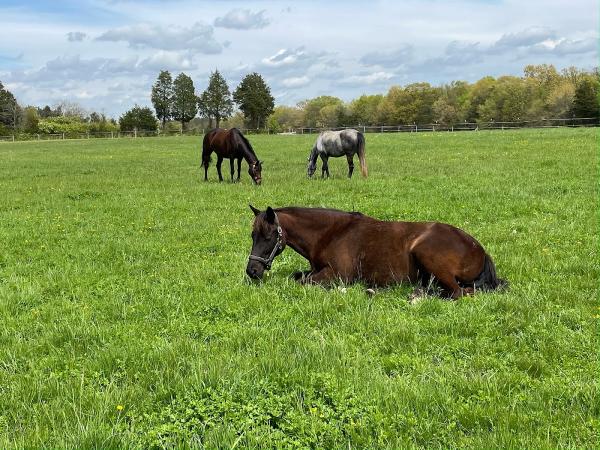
[245, 141]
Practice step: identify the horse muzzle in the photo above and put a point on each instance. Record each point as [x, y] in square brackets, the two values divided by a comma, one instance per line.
[255, 271]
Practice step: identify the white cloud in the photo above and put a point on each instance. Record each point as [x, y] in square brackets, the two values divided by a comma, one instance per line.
[242, 19]
[523, 38]
[565, 46]
[198, 37]
[164, 60]
[368, 79]
[296, 82]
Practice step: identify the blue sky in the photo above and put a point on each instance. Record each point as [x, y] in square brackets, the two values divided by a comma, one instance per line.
[105, 54]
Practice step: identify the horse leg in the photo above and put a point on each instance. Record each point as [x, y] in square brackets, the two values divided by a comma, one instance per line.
[323, 276]
[434, 269]
[231, 168]
[325, 167]
[350, 159]
[239, 161]
[219, 161]
[301, 275]
[440, 274]
[205, 171]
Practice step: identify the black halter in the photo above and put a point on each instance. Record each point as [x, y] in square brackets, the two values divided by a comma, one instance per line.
[278, 246]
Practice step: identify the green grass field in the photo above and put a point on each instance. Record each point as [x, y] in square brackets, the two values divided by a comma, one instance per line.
[127, 321]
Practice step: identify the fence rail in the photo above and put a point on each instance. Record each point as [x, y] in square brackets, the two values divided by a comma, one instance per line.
[431, 127]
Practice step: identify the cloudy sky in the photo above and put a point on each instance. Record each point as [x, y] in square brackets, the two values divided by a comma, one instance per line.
[105, 54]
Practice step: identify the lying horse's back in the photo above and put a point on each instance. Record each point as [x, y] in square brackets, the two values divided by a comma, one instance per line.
[358, 247]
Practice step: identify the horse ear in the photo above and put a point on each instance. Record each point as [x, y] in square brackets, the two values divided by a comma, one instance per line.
[254, 210]
[270, 215]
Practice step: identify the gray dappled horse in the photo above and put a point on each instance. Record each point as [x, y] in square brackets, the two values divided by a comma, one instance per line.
[338, 143]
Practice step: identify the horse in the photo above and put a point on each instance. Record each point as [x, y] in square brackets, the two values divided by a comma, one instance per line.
[230, 144]
[338, 143]
[351, 247]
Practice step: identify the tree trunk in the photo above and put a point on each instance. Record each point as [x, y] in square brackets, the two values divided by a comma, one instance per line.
[218, 120]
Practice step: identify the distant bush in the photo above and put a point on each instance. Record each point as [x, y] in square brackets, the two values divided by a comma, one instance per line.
[62, 124]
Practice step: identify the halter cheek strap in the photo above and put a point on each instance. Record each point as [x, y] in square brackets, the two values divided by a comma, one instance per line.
[278, 246]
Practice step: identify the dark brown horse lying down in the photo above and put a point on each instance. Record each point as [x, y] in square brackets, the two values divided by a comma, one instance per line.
[348, 247]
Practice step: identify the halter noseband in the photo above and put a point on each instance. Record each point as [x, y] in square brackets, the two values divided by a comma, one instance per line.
[278, 246]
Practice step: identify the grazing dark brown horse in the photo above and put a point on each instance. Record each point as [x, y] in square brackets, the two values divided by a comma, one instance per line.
[230, 144]
[348, 247]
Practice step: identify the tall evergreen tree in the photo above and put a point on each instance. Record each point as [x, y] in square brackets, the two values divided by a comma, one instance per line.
[215, 101]
[162, 96]
[254, 99]
[184, 99]
[9, 108]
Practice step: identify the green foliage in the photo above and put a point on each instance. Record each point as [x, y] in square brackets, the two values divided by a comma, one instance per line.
[162, 96]
[215, 102]
[508, 101]
[363, 110]
[138, 117]
[235, 121]
[10, 111]
[585, 102]
[30, 121]
[98, 123]
[184, 99]
[282, 414]
[323, 111]
[254, 99]
[285, 118]
[128, 321]
[62, 124]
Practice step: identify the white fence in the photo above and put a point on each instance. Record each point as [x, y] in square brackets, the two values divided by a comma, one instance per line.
[413, 128]
[463, 126]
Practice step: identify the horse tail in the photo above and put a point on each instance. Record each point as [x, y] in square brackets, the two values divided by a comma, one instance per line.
[361, 154]
[487, 279]
[206, 151]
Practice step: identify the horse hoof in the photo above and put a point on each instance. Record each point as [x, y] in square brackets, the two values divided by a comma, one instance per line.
[370, 292]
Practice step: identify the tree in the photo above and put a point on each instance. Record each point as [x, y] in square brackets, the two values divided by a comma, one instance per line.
[254, 99]
[321, 111]
[71, 109]
[184, 99]
[46, 112]
[560, 100]
[445, 112]
[138, 118]
[30, 120]
[162, 96]
[585, 103]
[215, 102]
[287, 117]
[363, 110]
[9, 108]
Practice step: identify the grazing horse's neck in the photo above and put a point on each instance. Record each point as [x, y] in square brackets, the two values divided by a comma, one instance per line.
[304, 228]
[246, 150]
[249, 155]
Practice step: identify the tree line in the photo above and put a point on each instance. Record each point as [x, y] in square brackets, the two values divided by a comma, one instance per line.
[541, 92]
[177, 100]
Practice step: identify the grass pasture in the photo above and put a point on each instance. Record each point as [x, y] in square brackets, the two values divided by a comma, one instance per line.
[126, 320]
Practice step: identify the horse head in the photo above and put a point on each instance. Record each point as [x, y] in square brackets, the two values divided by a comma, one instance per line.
[254, 170]
[267, 242]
